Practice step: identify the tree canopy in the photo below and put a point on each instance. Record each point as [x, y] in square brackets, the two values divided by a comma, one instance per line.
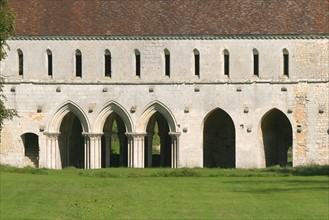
[7, 27]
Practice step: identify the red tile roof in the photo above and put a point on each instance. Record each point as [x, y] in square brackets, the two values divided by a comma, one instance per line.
[170, 17]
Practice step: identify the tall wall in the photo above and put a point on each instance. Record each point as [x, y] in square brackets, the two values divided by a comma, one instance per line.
[188, 99]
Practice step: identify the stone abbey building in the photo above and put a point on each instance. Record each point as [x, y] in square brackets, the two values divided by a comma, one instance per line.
[221, 83]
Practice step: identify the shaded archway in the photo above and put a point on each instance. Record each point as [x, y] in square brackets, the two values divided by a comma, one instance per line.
[276, 138]
[219, 140]
[31, 148]
[158, 152]
[114, 142]
[71, 142]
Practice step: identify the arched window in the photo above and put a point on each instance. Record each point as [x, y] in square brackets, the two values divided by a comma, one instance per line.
[196, 62]
[167, 62]
[50, 63]
[78, 63]
[108, 64]
[285, 62]
[138, 62]
[256, 62]
[226, 63]
[20, 62]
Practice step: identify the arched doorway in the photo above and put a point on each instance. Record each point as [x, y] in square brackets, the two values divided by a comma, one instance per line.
[276, 138]
[157, 142]
[71, 142]
[114, 142]
[31, 148]
[219, 140]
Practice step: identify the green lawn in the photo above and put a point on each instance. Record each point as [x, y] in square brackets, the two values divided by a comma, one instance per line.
[274, 193]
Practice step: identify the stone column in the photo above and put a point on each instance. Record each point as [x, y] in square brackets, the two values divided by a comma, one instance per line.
[108, 143]
[174, 149]
[53, 154]
[136, 147]
[93, 158]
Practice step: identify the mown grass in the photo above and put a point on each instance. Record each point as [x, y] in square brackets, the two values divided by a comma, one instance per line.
[126, 193]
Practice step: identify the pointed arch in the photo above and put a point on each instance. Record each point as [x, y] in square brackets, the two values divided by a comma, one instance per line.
[152, 108]
[108, 108]
[219, 139]
[276, 137]
[64, 109]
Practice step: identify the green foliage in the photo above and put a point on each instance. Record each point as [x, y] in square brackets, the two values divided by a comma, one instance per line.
[7, 26]
[4, 112]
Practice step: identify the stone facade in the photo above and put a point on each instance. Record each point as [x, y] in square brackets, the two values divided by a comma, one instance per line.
[246, 115]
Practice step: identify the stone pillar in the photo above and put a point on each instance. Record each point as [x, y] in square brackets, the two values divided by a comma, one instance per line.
[174, 149]
[108, 143]
[53, 154]
[149, 148]
[136, 148]
[93, 158]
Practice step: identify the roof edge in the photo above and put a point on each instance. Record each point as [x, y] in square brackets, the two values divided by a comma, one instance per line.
[187, 37]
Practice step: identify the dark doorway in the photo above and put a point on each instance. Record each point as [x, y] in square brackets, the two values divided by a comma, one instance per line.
[277, 138]
[31, 147]
[157, 142]
[71, 142]
[219, 140]
[114, 142]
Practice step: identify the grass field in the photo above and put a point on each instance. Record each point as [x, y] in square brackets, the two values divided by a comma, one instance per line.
[124, 193]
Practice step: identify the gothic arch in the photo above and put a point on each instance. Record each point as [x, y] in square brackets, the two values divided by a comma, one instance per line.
[152, 108]
[276, 136]
[219, 139]
[61, 112]
[106, 111]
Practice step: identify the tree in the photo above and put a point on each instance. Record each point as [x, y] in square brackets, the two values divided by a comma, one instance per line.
[7, 26]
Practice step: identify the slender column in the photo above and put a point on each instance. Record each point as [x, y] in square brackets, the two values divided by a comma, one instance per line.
[93, 155]
[53, 150]
[174, 149]
[130, 149]
[86, 151]
[137, 153]
[107, 148]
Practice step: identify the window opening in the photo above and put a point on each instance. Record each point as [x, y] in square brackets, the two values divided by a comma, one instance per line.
[50, 63]
[167, 63]
[226, 63]
[256, 62]
[20, 63]
[78, 64]
[108, 67]
[196, 62]
[285, 63]
[138, 63]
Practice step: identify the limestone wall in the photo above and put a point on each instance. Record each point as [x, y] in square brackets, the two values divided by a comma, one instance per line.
[187, 99]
